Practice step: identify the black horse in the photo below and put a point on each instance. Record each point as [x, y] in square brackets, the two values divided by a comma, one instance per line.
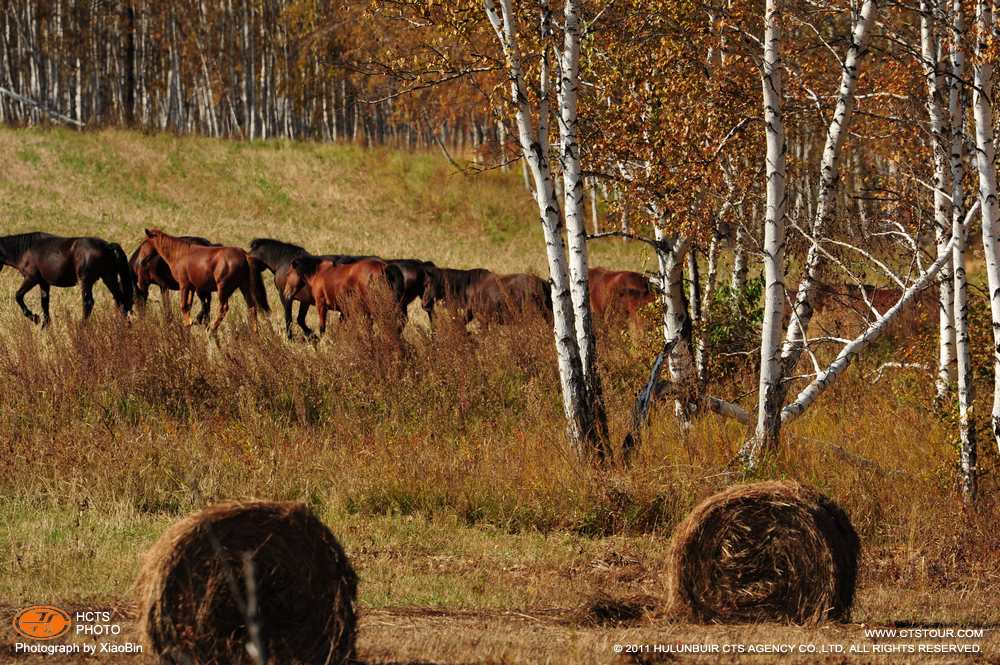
[278, 257]
[149, 268]
[46, 260]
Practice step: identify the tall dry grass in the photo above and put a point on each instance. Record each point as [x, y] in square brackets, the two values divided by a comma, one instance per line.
[455, 425]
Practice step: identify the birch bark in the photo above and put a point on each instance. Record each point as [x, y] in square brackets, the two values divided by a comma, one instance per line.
[930, 48]
[576, 223]
[534, 149]
[770, 394]
[982, 102]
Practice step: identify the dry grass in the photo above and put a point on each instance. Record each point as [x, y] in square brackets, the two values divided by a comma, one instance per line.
[442, 467]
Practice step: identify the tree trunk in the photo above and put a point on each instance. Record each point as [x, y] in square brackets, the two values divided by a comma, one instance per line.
[581, 428]
[770, 395]
[982, 103]
[576, 223]
[934, 79]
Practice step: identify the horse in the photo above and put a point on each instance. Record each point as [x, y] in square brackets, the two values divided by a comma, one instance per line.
[205, 269]
[346, 287]
[846, 309]
[487, 297]
[149, 268]
[617, 294]
[47, 260]
[277, 257]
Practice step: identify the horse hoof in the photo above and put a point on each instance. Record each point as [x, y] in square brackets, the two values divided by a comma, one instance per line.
[35, 319]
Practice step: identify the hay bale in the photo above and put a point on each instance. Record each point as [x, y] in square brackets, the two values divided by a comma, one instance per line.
[770, 551]
[305, 587]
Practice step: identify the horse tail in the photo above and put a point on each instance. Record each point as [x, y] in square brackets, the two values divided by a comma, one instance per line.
[397, 283]
[126, 278]
[257, 283]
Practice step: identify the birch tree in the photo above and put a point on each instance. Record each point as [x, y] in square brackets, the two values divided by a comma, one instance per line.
[578, 403]
[771, 395]
[956, 117]
[774, 368]
[982, 103]
[934, 73]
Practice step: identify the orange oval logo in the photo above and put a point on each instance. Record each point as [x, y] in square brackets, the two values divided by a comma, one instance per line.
[42, 622]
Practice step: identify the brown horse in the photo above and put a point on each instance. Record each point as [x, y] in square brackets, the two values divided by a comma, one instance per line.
[200, 269]
[487, 297]
[149, 268]
[365, 287]
[46, 260]
[619, 294]
[277, 256]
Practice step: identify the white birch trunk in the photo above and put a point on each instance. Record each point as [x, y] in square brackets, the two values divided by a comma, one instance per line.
[934, 80]
[770, 393]
[829, 180]
[957, 101]
[738, 280]
[573, 208]
[676, 323]
[982, 103]
[534, 151]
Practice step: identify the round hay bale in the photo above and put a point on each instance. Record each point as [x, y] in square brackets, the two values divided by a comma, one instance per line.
[770, 551]
[193, 588]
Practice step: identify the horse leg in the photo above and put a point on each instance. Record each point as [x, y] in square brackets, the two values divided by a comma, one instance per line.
[225, 291]
[87, 287]
[303, 310]
[286, 308]
[251, 304]
[45, 305]
[322, 311]
[28, 284]
[187, 299]
[206, 309]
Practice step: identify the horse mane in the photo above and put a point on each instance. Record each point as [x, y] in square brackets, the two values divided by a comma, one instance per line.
[276, 253]
[12, 247]
[306, 264]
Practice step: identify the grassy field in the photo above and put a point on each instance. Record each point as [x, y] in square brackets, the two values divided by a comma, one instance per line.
[443, 469]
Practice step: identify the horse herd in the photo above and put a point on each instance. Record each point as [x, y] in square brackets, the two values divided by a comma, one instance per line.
[348, 284]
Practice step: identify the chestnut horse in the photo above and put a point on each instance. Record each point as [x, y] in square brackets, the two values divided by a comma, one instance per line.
[200, 269]
[347, 288]
[617, 294]
[149, 268]
[487, 297]
[46, 260]
[277, 256]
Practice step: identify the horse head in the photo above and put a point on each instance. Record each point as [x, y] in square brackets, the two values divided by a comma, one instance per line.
[433, 288]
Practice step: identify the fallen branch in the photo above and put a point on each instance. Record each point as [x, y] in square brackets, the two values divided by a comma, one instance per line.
[41, 107]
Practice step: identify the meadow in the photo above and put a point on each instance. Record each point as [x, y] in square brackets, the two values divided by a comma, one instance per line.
[443, 468]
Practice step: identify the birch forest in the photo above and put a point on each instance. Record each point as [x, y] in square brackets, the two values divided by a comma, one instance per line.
[796, 155]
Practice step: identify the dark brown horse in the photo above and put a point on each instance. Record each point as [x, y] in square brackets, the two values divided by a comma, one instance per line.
[200, 269]
[360, 287]
[46, 260]
[277, 256]
[487, 297]
[149, 268]
[619, 294]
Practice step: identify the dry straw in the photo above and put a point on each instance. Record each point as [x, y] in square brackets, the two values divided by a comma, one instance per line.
[237, 577]
[770, 551]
